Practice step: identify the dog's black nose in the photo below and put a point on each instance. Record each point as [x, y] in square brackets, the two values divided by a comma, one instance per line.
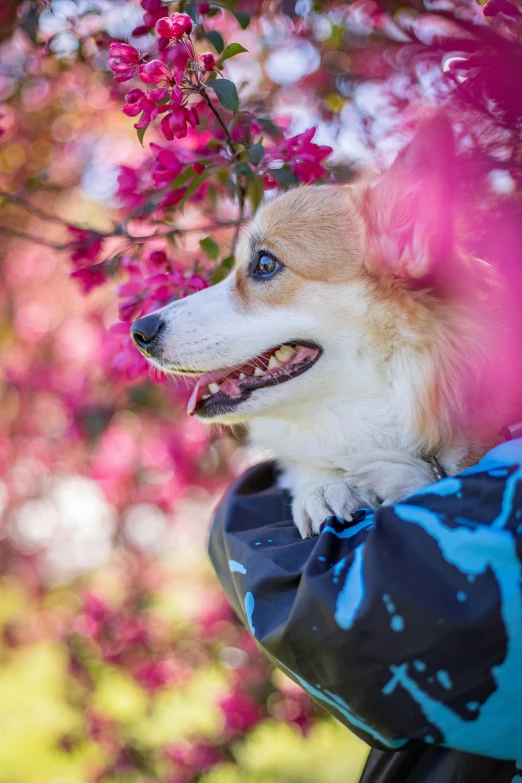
[145, 330]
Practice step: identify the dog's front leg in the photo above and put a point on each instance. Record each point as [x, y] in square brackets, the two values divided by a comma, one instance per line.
[317, 494]
[388, 481]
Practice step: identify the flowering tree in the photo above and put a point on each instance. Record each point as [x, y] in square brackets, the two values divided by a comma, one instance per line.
[136, 138]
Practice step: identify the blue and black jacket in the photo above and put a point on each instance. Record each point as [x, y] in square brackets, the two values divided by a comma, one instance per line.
[406, 624]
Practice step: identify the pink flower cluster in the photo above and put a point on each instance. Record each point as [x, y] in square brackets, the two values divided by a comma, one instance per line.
[304, 158]
[154, 11]
[86, 247]
[169, 89]
[131, 641]
[150, 285]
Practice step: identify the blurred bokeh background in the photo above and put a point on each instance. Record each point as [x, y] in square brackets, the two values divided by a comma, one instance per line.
[120, 657]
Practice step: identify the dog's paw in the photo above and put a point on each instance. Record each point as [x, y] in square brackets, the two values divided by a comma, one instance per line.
[312, 506]
[385, 483]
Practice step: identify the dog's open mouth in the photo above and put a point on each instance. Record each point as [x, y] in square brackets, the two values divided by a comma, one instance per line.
[219, 391]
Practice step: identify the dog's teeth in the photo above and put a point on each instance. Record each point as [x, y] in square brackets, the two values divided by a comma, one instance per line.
[242, 376]
[213, 388]
[258, 372]
[273, 364]
[206, 397]
[284, 353]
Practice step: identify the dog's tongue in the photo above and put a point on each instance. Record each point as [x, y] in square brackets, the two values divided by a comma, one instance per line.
[228, 386]
[199, 389]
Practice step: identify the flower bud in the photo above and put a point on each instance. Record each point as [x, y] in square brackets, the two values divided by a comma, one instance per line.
[165, 27]
[182, 25]
[208, 60]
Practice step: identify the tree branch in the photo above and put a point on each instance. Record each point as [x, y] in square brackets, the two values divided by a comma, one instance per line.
[36, 211]
[37, 240]
[217, 115]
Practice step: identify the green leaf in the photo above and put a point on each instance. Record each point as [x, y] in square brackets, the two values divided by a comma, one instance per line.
[141, 132]
[269, 127]
[215, 39]
[243, 169]
[243, 19]
[255, 193]
[227, 263]
[182, 178]
[221, 272]
[192, 10]
[191, 189]
[226, 93]
[210, 247]
[255, 154]
[31, 24]
[285, 177]
[230, 51]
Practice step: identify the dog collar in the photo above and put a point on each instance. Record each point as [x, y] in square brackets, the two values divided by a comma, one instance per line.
[438, 470]
[510, 432]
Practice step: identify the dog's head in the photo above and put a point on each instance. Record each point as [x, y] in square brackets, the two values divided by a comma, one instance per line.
[338, 293]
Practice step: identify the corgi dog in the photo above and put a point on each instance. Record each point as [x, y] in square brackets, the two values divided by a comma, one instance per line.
[353, 336]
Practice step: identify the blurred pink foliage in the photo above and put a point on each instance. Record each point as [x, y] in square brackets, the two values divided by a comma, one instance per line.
[137, 228]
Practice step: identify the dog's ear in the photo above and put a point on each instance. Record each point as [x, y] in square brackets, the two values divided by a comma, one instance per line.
[408, 210]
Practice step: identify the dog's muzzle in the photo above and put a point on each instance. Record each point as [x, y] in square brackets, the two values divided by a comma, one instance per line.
[144, 333]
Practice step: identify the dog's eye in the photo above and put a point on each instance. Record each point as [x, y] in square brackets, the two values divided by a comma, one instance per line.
[266, 266]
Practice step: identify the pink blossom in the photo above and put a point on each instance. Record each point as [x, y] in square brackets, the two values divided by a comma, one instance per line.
[131, 288]
[208, 60]
[240, 712]
[197, 283]
[95, 607]
[132, 98]
[168, 166]
[157, 261]
[269, 182]
[166, 28]
[154, 10]
[174, 124]
[90, 277]
[152, 5]
[173, 197]
[128, 188]
[123, 61]
[130, 309]
[199, 168]
[155, 72]
[174, 27]
[176, 55]
[159, 287]
[140, 30]
[150, 108]
[245, 129]
[305, 157]
[128, 359]
[86, 247]
[203, 8]
[155, 675]
[182, 25]
[196, 758]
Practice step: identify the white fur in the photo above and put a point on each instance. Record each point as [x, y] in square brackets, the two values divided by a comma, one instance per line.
[344, 437]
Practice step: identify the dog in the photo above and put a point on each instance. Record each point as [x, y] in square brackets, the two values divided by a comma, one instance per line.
[353, 336]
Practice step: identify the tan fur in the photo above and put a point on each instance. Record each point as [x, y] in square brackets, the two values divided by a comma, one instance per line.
[418, 348]
[323, 234]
